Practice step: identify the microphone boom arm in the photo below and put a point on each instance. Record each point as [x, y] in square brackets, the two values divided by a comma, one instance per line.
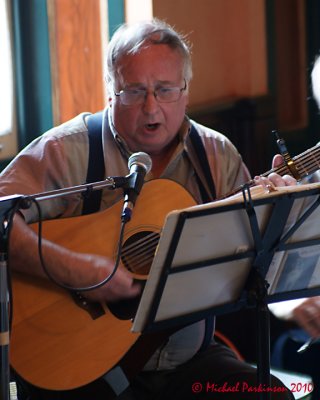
[110, 183]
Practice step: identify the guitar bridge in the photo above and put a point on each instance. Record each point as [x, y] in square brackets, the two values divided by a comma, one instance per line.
[94, 309]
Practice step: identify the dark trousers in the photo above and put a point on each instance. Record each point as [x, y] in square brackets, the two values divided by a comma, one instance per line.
[213, 374]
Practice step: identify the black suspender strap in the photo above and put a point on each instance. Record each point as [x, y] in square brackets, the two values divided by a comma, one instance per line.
[203, 160]
[96, 168]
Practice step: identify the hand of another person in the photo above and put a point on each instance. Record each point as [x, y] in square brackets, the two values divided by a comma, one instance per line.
[307, 315]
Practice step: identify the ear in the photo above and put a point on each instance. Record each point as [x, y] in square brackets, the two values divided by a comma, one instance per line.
[110, 97]
[109, 93]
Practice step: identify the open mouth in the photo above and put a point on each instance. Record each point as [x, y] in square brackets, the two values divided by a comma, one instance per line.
[152, 127]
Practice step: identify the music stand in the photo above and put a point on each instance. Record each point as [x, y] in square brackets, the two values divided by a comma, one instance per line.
[231, 254]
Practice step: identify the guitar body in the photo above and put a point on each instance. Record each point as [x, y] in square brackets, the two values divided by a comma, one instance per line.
[57, 344]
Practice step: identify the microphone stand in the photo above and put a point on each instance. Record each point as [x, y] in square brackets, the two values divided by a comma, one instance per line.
[8, 206]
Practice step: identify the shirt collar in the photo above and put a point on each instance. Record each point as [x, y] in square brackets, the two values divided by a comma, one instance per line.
[118, 139]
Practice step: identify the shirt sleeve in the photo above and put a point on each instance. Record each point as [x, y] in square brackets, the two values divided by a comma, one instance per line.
[57, 159]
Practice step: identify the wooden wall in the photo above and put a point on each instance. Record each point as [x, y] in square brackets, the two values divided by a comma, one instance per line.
[228, 40]
[76, 57]
[292, 71]
[229, 46]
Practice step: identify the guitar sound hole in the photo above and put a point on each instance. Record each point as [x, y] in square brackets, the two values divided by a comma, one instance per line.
[138, 251]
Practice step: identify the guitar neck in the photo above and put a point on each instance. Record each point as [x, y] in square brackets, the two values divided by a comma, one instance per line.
[305, 164]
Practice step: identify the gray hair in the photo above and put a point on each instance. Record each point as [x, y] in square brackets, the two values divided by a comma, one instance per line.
[129, 39]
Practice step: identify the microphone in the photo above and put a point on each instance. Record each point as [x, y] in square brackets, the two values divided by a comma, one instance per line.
[139, 165]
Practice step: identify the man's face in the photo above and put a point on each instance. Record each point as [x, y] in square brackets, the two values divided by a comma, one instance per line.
[150, 126]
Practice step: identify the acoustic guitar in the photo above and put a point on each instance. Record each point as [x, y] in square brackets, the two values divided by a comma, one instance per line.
[59, 342]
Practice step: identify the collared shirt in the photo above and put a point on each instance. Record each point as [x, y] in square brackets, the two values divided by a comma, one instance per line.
[59, 159]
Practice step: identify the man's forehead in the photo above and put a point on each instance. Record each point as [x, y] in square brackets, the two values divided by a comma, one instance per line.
[159, 64]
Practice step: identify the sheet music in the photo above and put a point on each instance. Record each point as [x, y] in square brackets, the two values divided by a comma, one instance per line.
[298, 268]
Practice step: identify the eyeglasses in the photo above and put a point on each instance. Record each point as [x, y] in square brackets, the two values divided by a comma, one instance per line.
[130, 97]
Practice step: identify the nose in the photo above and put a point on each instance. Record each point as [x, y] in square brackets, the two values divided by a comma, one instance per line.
[150, 105]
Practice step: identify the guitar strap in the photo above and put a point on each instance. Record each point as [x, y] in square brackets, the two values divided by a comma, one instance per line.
[96, 171]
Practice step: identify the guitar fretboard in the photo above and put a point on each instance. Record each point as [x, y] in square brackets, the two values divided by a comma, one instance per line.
[306, 163]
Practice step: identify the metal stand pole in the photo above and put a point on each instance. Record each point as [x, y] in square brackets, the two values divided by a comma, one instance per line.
[8, 206]
[4, 330]
[263, 343]
[257, 296]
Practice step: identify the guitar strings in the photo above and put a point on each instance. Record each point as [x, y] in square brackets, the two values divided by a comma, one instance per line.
[137, 256]
[140, 243]
[309, 162]
[312, 161]
[142, 257]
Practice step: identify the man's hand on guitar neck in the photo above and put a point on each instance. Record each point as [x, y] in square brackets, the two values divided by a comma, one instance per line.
[68, 267]
[274, 179]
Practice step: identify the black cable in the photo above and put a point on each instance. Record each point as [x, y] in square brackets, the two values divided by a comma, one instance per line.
[67, 287]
